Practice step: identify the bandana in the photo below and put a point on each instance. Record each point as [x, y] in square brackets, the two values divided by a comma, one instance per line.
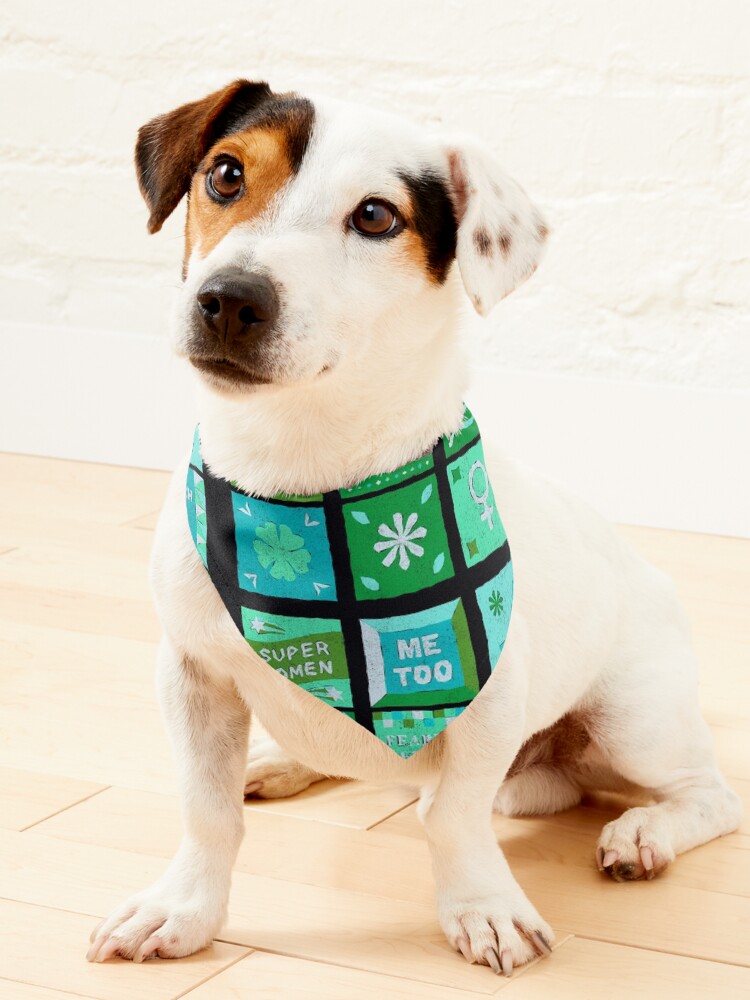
[389, 601]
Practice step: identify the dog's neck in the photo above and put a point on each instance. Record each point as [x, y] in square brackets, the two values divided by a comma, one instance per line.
[337, 430]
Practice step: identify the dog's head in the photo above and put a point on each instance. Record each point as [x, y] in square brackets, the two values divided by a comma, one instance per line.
[311, 226]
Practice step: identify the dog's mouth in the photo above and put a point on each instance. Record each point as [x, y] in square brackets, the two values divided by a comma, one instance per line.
[226, 371]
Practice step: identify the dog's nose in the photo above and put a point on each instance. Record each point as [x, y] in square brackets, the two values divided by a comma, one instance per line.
[234, 304]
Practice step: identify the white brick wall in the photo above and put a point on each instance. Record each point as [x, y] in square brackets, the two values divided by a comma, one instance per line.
[628, 121]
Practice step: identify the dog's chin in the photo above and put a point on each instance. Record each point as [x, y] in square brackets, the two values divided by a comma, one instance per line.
[229, 378]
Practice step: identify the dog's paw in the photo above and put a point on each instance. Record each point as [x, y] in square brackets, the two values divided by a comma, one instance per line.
[497, 932]
[636, 845]
[272, 774]
[153, 925]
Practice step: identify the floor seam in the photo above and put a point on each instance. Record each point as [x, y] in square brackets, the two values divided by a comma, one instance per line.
[220, 972]
[70, 805]
[665, 951]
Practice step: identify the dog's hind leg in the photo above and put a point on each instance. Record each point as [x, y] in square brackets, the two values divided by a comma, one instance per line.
[183, 910]
[651, 732]
[539, 790]
[272, 773]
[542, 780]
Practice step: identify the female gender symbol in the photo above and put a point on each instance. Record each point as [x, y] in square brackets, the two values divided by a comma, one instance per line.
[487, 510]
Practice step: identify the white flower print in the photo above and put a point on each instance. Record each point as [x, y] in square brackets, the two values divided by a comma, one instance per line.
[401, 541]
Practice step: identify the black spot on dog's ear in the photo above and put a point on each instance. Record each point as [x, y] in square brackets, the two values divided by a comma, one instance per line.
[482, 242]
[433, 220]
[504, 241]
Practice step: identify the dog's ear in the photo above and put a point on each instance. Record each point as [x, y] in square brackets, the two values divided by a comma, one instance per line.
[501, 234]
[170, 147]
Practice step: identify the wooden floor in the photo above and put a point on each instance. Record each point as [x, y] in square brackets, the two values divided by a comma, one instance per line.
[332, 894]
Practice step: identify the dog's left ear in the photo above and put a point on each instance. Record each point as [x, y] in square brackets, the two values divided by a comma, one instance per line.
[170, 147]
[501, 234]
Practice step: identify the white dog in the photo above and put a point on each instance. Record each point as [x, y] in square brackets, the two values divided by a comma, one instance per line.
[319, 308]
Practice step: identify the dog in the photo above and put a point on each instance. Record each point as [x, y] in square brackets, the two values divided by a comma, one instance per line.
[327, 251]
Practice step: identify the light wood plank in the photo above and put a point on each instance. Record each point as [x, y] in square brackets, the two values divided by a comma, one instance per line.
[79, 611]
[712, 575]
[732, 751]
[262, 976]
[67, 569]
[391, 936]
[70, 702]
[146, 522]
[26, 991]
[583, 968]
[45, 948]
[27, 798]
[357, 804]
[20, 527]
[86, 491]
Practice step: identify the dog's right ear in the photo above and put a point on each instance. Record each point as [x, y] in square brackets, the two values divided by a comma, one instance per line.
[501, 234]
[170, 147]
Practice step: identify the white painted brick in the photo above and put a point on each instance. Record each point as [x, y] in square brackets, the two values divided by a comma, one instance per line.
[629, 123]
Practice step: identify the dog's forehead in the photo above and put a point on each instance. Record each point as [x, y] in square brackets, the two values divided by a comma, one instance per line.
[363, 134]
[354, 151]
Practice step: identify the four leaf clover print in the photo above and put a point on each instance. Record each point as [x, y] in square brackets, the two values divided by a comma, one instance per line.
[400, 540]
[282, 550]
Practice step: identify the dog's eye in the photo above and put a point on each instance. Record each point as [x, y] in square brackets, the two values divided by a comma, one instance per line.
[374, 217]
[224, 181]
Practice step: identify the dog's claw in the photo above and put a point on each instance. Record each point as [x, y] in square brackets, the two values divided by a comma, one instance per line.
[541, 943]
[107, 950]
[253, 786]
[506, 963]
[149, 949]
[94, 949]
[493, 961]
[95, 933]
[609, 858]
[600, 858]
[647, 860]
[463, 947]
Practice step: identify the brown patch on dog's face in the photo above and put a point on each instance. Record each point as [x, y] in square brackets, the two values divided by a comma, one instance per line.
[263, 153]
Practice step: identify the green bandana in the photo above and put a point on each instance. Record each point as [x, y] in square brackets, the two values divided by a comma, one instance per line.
[388, 601]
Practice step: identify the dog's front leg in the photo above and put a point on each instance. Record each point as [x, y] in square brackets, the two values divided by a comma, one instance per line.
[483, 910]
[183, 910]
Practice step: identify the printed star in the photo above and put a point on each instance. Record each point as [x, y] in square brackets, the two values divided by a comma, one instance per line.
[473, 548]
[333, 693]
[257, 624]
